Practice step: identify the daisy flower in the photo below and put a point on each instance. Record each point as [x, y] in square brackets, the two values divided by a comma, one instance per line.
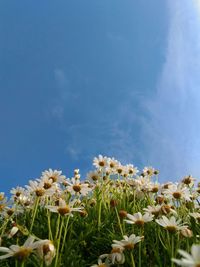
[54, 175]
[100, 162]
[17, 192]
[116, 256]
[189, 260]
[188, 180]
[148, 171]
[36, 188]
[172, 225]
[19, 252]
[128, 242]
[131, 170]
[93, 176]
[120, 169]
[64, 209]
[75, 187]
[46, 251]
[112, 164]
[139, 219]
[177, 192]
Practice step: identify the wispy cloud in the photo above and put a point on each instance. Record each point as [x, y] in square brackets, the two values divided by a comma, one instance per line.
[160, 129]
[171, 132]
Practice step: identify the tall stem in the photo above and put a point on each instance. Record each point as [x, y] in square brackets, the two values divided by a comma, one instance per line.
[65, 233]
[99, 215]
[49, 225]
[57, 227]
[119, 222]
[132, 260]
[34, 213]
[58, 244]
[172, 249]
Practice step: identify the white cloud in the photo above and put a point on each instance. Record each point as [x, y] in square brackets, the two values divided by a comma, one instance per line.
[171, 133]
[60, 77]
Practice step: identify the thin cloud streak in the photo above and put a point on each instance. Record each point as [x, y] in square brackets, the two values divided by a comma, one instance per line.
[171, 132]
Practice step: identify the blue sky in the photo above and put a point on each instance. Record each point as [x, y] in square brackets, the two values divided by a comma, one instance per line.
[82, 78]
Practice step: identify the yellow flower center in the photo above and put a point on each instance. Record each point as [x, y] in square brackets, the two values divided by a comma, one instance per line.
[150, 172]
[154, 189]
[94, 177]
[47, 185]
[129, 246]
[187, 180]
[77, 188]
[23, 253]
[39, 192]
[139, 222]
[119, 170]
[171, 228]
[64, 210]
[177, 195]
[101, 163]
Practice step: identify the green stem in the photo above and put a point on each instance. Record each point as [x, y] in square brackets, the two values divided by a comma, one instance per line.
[58, 244]
[140, 258]
[34, 213]
[57, 227]
[119, 222]
[49, 225]
[172, 249]
[132, 260]
[140, 248]
[65, 233]
[99, 215]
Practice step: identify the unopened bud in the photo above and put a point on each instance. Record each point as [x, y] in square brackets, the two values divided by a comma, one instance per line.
[13, 231]
[186, 232]
[113, 203]
[122, 214]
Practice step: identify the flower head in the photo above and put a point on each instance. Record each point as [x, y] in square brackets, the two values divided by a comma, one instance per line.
[128, 242]
[172, 225]
[19, 252]
[189, 260]
[64, 209]
[139, 219]
[46, 251]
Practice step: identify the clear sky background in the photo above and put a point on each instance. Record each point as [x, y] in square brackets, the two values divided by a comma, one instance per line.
[80, 78]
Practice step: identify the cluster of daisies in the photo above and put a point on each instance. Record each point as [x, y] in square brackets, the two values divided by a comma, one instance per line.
[137, 199]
